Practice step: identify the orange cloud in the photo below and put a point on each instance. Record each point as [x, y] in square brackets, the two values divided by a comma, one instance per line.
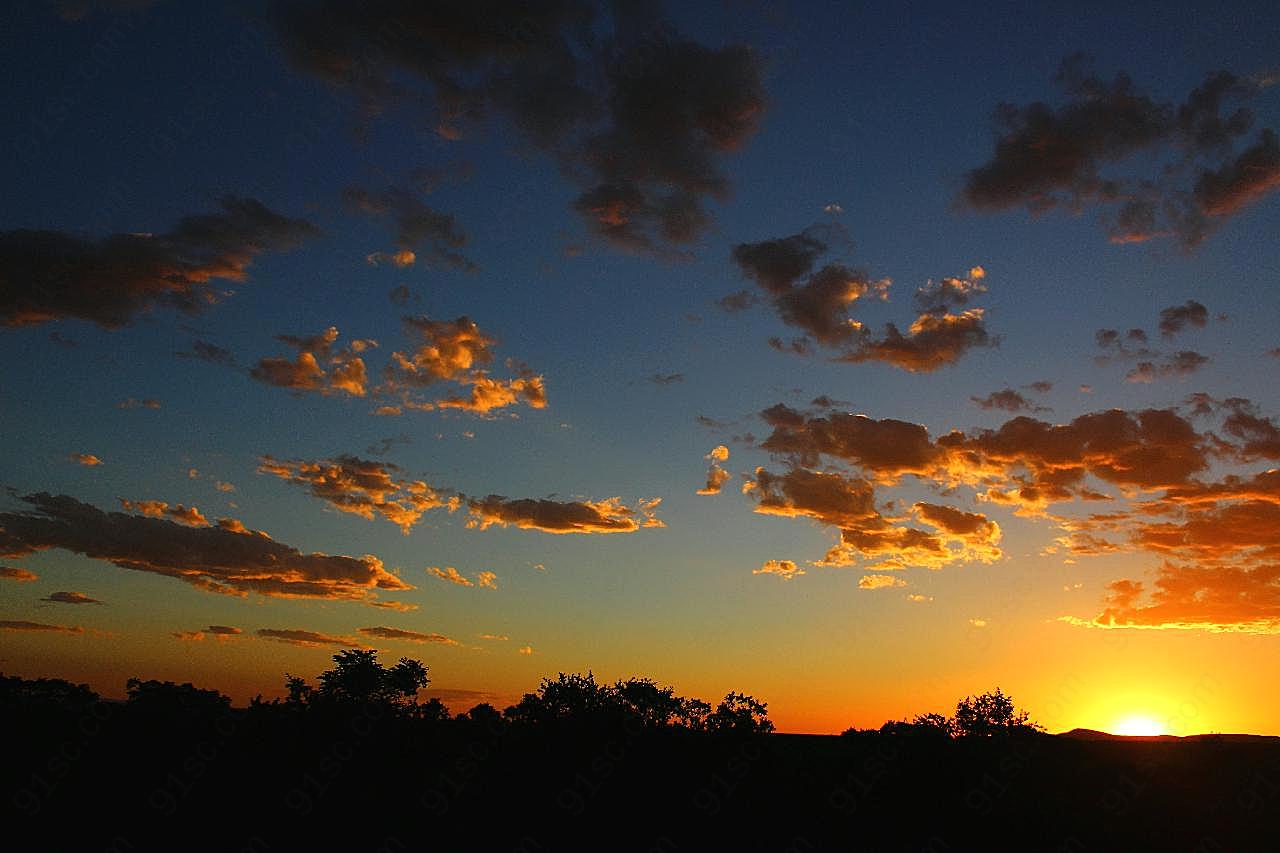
[86, 459]
[716, 476]
[189, 516]
[450, 574]
[880, 582]
[12, 573]
[319, 365]
[220, 633]
[785, 569]
[70, 598]
[361, 487]
[224, 558]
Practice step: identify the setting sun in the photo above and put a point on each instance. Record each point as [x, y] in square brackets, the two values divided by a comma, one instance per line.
[1137, 725]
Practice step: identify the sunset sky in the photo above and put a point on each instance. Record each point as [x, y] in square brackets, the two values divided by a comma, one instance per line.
[859, 360]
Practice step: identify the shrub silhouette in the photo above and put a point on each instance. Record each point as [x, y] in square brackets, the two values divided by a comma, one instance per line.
[740, 714]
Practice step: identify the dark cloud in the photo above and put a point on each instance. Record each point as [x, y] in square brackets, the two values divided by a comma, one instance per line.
[383, 633]
[1242, 181]
[205, 351]
[22, 625]
[421, 232]
[550, 516]
[225, 558]
[740, 300]
[636, 114]
[818, 302]
[1049, 156]
[386, 445]
[309, 639]
[1007, 400]
[666, 378]
[1175, 318]
[70, 598]
[1177, 365]
[50, 275]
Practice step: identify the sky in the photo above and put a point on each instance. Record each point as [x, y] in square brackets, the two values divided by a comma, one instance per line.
[856, 359]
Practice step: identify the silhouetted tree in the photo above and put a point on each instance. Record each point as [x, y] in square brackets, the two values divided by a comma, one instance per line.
[483, 714]
[740, 714]
[44, 693]
[990, 714]
[573, 696]
[922, 725]
[176, 701]
[358, 677]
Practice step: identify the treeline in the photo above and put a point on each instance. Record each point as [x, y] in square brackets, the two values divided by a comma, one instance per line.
[359, 679]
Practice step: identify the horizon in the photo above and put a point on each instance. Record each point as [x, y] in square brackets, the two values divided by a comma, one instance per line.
[858, 359]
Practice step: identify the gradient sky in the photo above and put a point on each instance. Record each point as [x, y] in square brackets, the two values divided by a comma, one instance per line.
[580, 258]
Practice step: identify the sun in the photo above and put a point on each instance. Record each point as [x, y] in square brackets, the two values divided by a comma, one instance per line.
[1137, 725]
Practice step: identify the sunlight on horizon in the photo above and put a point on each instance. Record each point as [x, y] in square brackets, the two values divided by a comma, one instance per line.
[1138, 725]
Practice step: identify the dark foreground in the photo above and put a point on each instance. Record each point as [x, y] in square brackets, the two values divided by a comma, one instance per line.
[111, 778]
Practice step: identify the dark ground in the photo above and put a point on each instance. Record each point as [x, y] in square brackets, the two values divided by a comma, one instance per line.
[107, 777]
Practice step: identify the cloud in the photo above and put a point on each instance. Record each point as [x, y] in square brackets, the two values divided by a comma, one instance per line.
[487, 580]
[819, 303]
[635, 113]
[666, 378]
[221, 633]
[716, 476]
[309, 639]
[362, 487]
[318, 366]
[12, 573]
[1243, 181]
[525, 650]
[1175, 318]
[1048, 157]
[880, 582]
[978, 623]
[398, 606]
[225, 558]
[450, 574]
[86, 459]
[931, 342]
[51, 275]
[551, 516]
[917, 598]
[70, 598]
[457, 351]
[22, 625]
[421, 232]
[1177, 365]
[816, 302]
[1007, 400]
[133, 403]
[737, 301]
[205, 351]
[383, 633]
[189, 516]
[785, 569]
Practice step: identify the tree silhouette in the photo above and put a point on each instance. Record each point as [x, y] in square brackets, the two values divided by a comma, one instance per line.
[358, 677]
[990, 714]
[740, 714]
[176, 701]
